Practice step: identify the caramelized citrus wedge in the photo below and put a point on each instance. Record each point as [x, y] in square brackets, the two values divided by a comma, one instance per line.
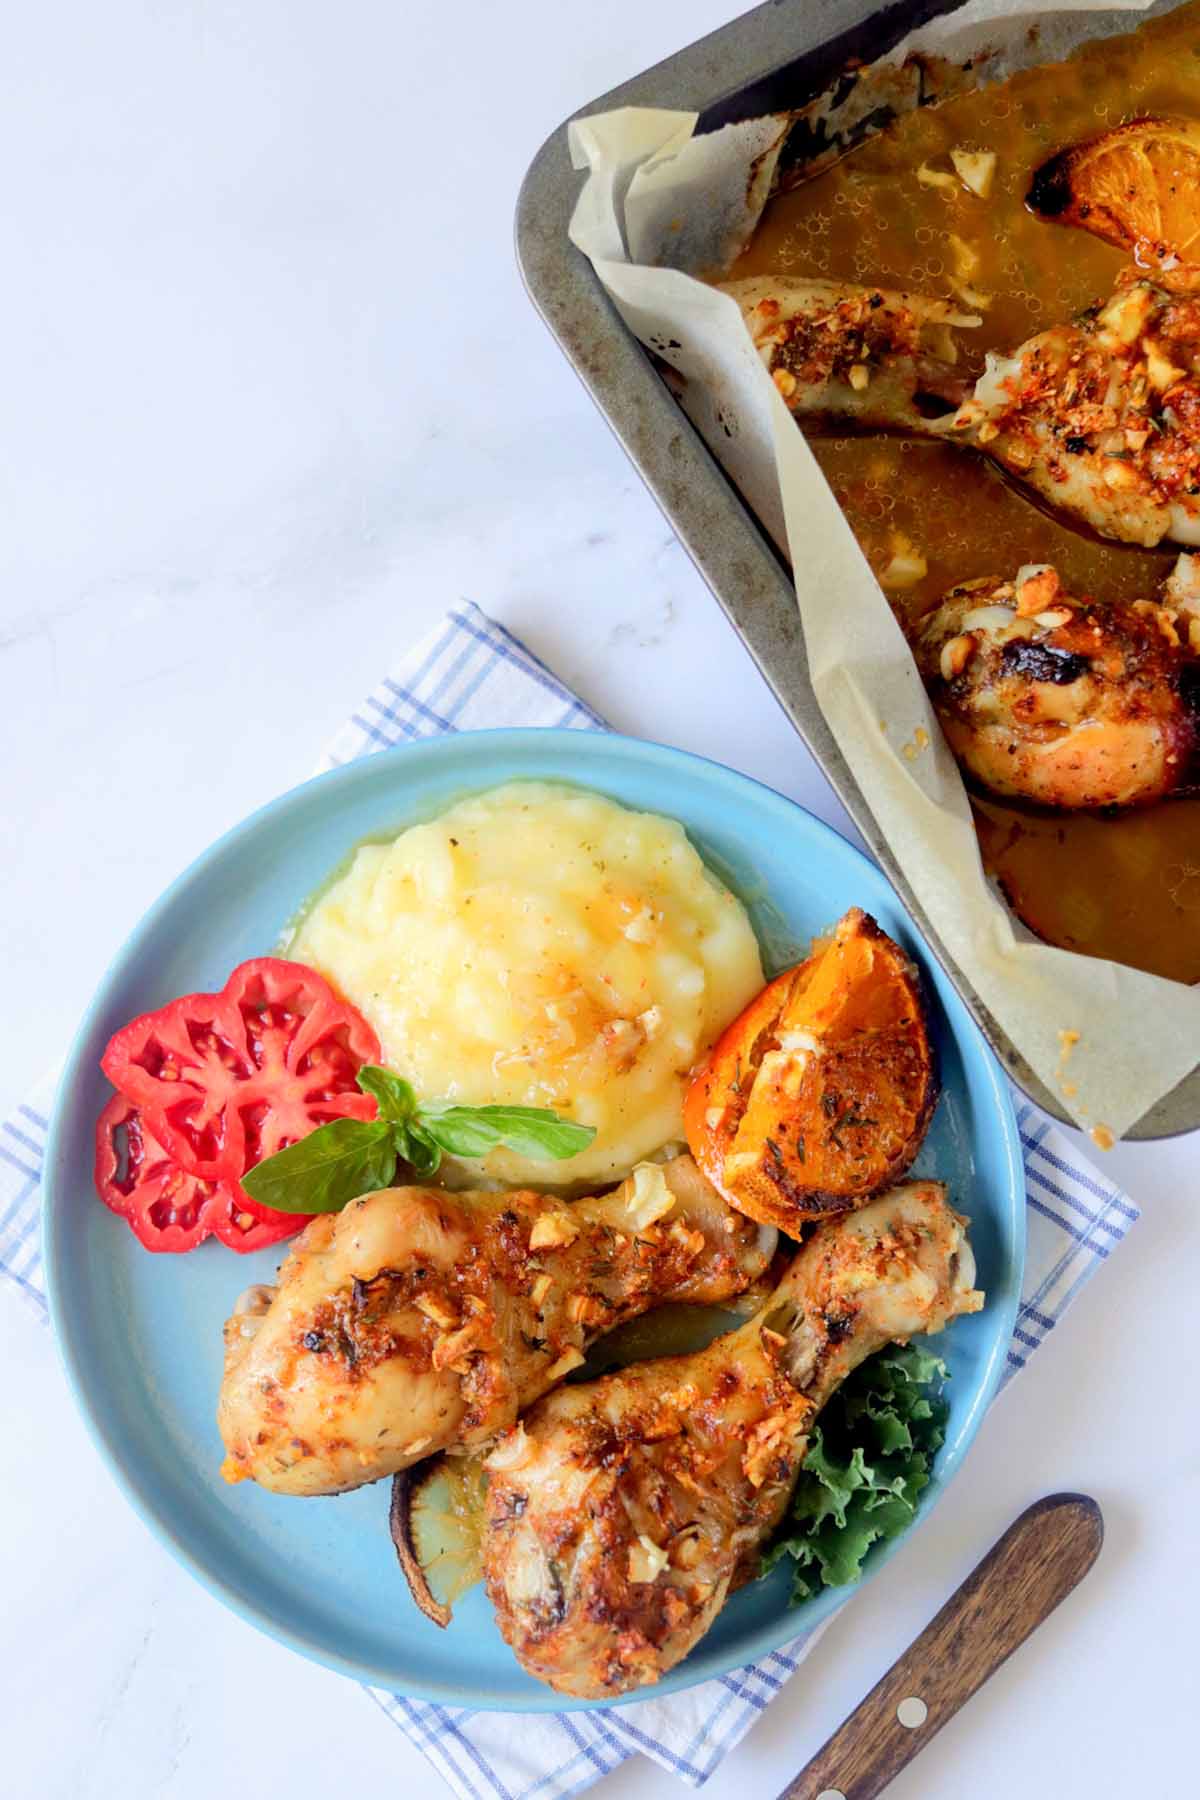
[820, 1093]
[1138, 187]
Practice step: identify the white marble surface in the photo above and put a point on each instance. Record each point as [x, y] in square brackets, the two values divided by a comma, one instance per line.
[273, 397]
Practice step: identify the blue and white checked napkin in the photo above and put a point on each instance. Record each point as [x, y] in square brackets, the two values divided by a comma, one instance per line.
[467, 675]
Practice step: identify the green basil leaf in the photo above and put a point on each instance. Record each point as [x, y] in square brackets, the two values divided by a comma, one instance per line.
[324, 1171]
[397, 1101]
[458, 1131]
[417, 1149]
[529, 1130]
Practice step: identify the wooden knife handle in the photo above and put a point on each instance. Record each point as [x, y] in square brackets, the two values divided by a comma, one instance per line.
[1019, 1583]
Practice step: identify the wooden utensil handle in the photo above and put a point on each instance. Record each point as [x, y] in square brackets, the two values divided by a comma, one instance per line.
[1020, 1581]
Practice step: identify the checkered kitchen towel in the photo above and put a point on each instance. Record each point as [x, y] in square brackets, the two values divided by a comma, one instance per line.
[470, 674]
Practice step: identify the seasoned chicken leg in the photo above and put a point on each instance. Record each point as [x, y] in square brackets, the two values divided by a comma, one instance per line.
[1101, 418]
[1062, 701]
[883, 359]
[621, 1512]
[418, 1318]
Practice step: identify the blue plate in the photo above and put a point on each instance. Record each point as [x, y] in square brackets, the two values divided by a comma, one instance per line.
[141, 1335]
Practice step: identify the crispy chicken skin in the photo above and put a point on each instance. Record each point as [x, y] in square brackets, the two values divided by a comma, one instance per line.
[861, 353]
[1058, 700]
[417, 1318]
[621, 1512]
[1100, 417]
[820, 1093]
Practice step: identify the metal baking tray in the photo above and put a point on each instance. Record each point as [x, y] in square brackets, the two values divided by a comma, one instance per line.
[773, 59]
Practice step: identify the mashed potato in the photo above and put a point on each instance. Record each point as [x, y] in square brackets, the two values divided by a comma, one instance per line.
[541, 946]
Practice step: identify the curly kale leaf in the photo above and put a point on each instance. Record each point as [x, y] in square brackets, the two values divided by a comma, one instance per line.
[869, 1460]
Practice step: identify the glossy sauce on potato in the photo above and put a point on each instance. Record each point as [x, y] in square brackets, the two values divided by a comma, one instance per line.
[1125, 887]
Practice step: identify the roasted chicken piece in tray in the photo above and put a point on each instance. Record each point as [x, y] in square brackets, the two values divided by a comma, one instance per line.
[882, 359]
[1099, 417]
[418, 1318]
[621, 1512]
[820, 1093]
[1056, 699]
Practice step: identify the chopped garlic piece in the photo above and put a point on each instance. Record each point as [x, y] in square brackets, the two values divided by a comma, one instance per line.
[1161, 371]
[1038, 586]
[552, 1230]
[976, 169]
[1126, 314]
[988, 618]
[860, 377]
[956, 654]
[647, 1560]
[587, 1310]
[540, 1289]
[965, 257]
[687, 1547]
[442, 1315]
[570, 1359]
[935, 178]
[907, 565]
[649, 1198]
[640, 929]
[1182, 586]
[651, 1020]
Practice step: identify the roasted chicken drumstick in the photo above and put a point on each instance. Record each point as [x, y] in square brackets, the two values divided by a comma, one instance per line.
[883, 359]
[418, 1318]
[1054, 698]
[1101, 417]
[621, 1512]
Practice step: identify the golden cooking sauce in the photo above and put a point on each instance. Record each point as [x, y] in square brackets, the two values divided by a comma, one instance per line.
[1126, 887]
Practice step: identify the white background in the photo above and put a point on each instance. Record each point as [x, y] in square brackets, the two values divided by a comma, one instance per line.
[272, 398]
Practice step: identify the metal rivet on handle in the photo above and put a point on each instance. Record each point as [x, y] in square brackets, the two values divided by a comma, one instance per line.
[912, 1712]
[831, 1794]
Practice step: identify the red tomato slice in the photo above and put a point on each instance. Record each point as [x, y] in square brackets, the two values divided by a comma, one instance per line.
[227, 1079]
[167, 1209]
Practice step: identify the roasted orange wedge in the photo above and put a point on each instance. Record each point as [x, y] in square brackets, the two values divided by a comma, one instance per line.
[820, 1093]
[1138, 187]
